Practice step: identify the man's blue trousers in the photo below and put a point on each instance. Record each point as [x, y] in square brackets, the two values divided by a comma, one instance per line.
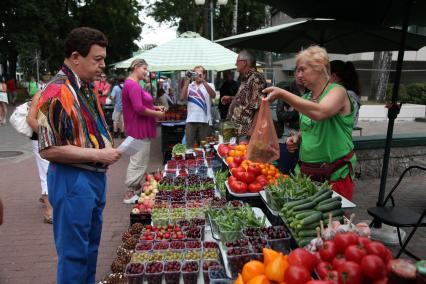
[78, 199]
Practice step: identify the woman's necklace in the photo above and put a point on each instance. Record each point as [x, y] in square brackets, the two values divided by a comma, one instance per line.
[316, 98]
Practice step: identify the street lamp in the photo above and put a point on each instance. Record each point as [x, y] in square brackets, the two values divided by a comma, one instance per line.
[202, 2]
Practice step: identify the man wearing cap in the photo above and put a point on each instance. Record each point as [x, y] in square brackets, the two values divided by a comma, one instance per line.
[74, 137]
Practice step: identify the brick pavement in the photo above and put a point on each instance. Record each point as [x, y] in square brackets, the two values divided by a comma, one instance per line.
[27, 253]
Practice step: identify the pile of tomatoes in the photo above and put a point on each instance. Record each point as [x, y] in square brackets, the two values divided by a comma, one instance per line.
[252, 177]
[351, 259]
[246, 176]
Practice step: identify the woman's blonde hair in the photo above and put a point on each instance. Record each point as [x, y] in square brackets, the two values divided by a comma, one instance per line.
[137, 63]
[316, 57]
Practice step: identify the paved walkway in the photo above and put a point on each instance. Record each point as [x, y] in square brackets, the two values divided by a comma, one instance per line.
[27, 253]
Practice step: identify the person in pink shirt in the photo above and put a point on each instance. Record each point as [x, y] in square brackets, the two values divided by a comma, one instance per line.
[140, 116]
[102, 88]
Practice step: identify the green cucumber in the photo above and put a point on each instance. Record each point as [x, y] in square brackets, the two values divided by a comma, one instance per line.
[326, 195]
[305, 213]
[305, 206]
[318, 193]
[308, 226]
[335, 212]
[329, 206]
[291, 204]
[307, 233]
[315, 217]
[303, 241]
[336, 198]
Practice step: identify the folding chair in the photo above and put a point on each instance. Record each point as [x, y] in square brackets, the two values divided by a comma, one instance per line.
[399, 216]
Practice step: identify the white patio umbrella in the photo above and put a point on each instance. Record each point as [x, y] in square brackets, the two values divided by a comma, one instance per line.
[186, 52]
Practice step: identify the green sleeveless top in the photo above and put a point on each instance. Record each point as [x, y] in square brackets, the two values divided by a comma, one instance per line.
[327, 140]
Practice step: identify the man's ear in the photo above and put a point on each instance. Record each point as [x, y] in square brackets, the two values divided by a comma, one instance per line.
[75, 56]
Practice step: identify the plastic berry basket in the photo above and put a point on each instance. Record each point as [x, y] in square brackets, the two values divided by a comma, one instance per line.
[172, 276]
[154, 277]
[135, 277]
[190, 276]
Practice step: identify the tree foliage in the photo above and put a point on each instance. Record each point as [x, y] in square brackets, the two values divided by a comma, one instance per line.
[28, 26]
[189, 17]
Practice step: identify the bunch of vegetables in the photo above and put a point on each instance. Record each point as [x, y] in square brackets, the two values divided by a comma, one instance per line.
[252, 177]
[232, 220]
[296, 187]
[304, 215]
[221, 177]
[179, 149]
[296, 268]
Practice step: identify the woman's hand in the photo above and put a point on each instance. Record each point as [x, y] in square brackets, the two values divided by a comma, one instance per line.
[273, 93]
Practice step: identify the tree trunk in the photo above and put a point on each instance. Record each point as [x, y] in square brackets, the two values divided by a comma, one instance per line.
[380, 76]
[235, 18]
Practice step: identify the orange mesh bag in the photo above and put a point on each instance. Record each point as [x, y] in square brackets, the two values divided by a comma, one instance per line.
[263, 146]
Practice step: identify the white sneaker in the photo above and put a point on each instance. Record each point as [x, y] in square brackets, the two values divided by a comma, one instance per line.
[131, 200]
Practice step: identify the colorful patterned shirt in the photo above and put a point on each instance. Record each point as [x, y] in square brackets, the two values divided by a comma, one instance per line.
[70, 114]
[247, 101]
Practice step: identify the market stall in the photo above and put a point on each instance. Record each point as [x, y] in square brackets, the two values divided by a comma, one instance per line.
[186, 229]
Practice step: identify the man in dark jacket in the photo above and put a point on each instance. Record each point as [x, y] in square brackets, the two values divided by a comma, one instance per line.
[229, 88]
[288, 123]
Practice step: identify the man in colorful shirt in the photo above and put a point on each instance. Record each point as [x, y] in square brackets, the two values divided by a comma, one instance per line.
[199, 94]
[247, 101]
[74, 137]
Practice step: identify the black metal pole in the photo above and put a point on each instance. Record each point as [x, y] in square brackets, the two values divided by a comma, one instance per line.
[394, 108]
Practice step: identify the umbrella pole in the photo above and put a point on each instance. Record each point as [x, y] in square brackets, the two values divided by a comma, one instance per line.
[394, 107]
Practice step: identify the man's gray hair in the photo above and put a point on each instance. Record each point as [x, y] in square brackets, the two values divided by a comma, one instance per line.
[249, 56]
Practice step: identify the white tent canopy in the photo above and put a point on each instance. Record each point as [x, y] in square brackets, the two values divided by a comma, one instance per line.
[186, 52]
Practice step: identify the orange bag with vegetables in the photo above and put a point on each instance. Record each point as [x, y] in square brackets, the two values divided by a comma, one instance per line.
[263, 146]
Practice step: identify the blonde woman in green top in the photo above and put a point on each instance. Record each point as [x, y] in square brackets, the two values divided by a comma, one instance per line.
[326, 123]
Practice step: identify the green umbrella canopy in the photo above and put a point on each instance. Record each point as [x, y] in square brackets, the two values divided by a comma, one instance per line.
[377, 12]
[186, 52]
[335, 35]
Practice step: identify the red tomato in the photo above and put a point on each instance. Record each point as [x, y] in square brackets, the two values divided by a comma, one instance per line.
[255, 187]
[388, 256]
[296, 274]
[231, 179]
[238, 160]
[223, 150]
[238, 187]
[320, 282]
[332, 276]
[256, 170]
[377, 248]
[232, 165]
[350, 273]
[323, 268]
[328, 251]
[303, 258]
[381, 281]
[343, 240]
[363, 241]
[338, 261]
[355, 253]
[262, 180]
[247, 177]
[239, 175]
[373, 267]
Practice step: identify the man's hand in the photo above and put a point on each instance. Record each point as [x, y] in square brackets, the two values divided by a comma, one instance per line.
[292, 142]
[226, 100]
[108, 156]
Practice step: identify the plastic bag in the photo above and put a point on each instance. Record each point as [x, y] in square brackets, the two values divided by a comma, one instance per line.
[18, 119]
[264, 145]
